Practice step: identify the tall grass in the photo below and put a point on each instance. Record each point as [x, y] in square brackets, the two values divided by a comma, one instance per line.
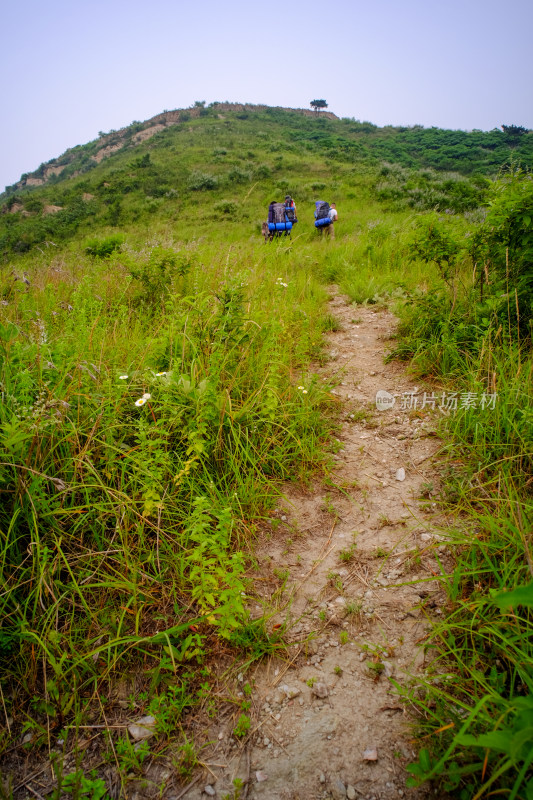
[150, 409]
[475, 701]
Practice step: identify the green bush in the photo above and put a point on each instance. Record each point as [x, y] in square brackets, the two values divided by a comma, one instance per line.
[508, 234]
[104, 248]
[227, 207]
[262, 171]
[199, 181]
[239, 176]
[156, 274]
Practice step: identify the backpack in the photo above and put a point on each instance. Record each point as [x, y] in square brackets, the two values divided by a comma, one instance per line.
[278, 220]
[279, 212]
[322, 209]
[290, 213]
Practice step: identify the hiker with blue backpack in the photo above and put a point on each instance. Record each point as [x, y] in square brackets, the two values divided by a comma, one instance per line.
[281, 218]
[290, 209]
[325, 217]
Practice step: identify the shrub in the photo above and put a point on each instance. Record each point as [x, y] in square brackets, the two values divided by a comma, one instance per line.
[103, 248]
[228, 207]
[508, 232]
[33, 204]
[155, 275]
[238, 176]
[199, 181]
[262, 171]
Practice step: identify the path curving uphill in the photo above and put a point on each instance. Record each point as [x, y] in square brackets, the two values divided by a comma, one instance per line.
[349, 565]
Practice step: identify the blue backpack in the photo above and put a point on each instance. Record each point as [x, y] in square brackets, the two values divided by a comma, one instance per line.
[281, 221]
[322, 218]
[290, 213]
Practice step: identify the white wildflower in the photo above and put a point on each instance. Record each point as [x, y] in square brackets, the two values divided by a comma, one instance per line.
[146, 396]
[123, 377]
[160, 374]
[140, 402]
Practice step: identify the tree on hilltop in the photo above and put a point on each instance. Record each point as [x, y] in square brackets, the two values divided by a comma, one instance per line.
[513, 133]
[318, 104]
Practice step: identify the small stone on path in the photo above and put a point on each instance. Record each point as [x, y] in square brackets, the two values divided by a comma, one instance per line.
[290, 691]
[144, 728]
[338, 789]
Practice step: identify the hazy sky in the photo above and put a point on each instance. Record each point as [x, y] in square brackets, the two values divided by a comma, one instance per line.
[72, 69]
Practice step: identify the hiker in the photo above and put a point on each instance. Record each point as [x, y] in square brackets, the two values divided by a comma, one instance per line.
[271, 219]
[333, 215]
[322, 218]
[279, 222]
[290, 209]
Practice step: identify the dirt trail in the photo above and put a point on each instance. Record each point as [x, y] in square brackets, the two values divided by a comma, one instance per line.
[325, 722]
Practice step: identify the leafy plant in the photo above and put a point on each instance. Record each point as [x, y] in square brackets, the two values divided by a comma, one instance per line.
[104, 248]
[200, 181]
[243, 726]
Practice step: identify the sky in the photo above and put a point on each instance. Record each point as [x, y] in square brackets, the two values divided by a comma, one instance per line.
[73, 69]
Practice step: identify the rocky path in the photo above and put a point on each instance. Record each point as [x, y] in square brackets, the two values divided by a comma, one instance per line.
[349, 565]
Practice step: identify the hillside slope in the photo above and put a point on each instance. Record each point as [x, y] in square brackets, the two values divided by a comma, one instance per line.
[165, 380]
[236, 158]
[80, 159]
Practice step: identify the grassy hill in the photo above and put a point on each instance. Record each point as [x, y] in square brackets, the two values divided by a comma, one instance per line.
[221, 162]
[153, 351]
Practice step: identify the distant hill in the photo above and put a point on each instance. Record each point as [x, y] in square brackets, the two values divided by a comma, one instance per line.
[80, 159]
[226, 159]
[410, 146]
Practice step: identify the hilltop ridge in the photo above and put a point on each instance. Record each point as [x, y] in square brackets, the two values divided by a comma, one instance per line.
[223, 160]
[137, 132]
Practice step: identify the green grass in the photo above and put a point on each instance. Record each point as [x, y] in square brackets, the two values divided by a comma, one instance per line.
[150, 372]
[475, 702]
[126, 528]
